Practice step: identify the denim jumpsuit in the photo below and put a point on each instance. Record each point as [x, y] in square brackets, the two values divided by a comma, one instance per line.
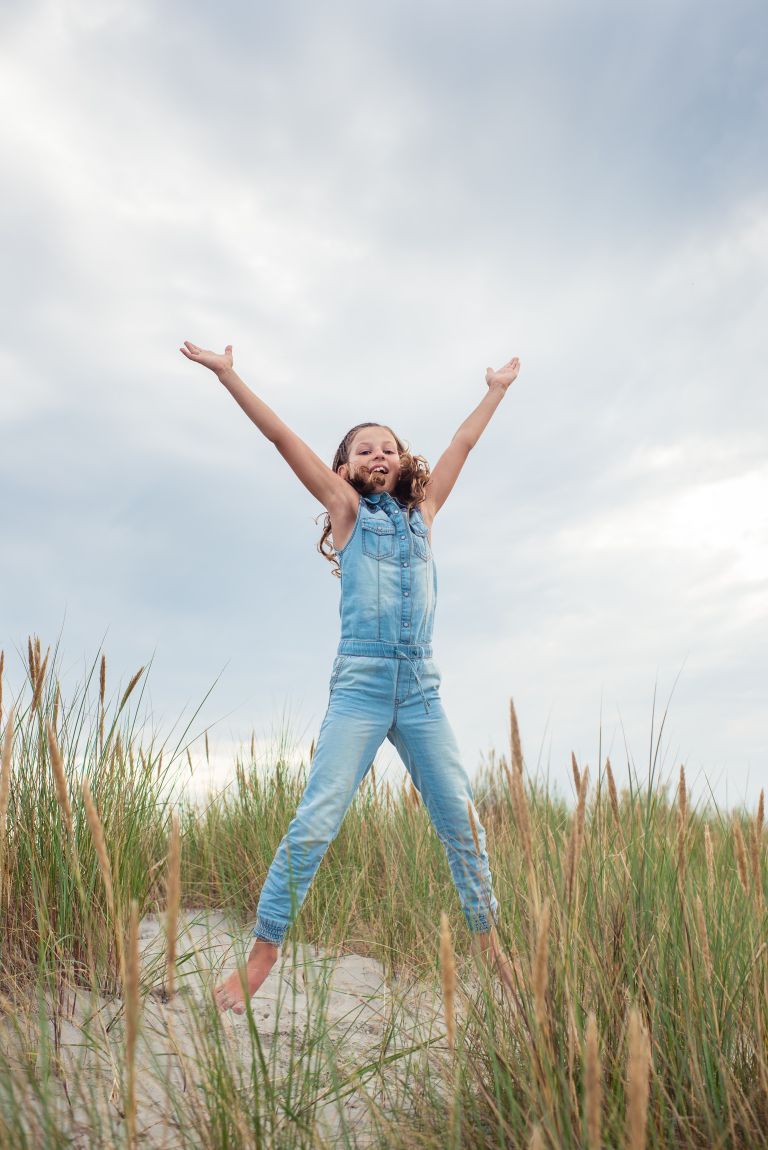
[384, 684]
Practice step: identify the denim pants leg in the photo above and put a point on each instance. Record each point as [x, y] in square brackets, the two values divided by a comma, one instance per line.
[427, 745]
[355, 725]
[373, 698]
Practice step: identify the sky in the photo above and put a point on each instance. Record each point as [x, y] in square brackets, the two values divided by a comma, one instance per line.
[373, 203]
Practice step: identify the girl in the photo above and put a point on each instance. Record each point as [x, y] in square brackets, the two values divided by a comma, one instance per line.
[381, 501]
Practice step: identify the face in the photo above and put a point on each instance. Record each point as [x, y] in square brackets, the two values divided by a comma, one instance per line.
[373, 460]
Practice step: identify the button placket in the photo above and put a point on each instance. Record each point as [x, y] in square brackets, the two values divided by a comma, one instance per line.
[395, 513]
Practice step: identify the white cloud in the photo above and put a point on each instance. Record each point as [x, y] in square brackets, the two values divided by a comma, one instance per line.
[371, 213]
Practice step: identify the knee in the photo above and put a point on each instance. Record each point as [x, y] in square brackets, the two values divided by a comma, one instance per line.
[311, 829]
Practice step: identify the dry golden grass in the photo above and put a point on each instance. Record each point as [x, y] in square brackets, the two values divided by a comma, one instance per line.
[541, 967]
[515, 745]
[701, 924]
[563, 1061]
[741, 855]
[537, 1139]
[612, 794]
[60, 781]
[575, 772]
[682, 825]
[132, 1018]
[593, 1087]
[576, 839]
[38, 669]
[638, 1082]
[173, 899]
[709, 854]
[5, 793]
[130, 689]
[448, 980]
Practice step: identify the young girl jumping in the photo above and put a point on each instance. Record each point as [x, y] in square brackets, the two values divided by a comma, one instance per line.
[381, 501]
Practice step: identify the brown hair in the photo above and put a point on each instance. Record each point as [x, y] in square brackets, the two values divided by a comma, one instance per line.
[411, 483]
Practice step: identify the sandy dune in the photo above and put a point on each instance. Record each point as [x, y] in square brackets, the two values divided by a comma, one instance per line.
[318, 1013]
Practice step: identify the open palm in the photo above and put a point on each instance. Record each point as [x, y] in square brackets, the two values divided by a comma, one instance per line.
[211, 359]
[504, 376]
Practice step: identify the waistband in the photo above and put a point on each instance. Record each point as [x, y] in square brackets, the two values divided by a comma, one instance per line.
[384, 650]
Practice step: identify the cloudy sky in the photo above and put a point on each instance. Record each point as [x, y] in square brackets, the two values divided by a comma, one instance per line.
[372, 203]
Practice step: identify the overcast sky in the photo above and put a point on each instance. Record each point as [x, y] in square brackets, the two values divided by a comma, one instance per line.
[372, 203]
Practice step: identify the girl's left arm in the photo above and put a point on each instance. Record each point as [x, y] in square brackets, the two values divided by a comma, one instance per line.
[446, 470]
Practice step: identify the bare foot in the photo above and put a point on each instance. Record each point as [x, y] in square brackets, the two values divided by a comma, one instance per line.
[232, 993]
[497, 962]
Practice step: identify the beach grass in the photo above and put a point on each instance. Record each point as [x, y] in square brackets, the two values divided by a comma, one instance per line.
[637, 924]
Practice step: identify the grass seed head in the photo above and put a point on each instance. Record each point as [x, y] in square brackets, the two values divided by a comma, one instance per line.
[540, 966]
[638, 1082]
[576, 839]
[709, 854]
[173, 899]
[40, 670]
[593, 1090]
[60, 780]
[515, 746]
[701, 925]
[520, 811]
[576, 773]
[537, 1139]
[448, 979]
[754, 850]
[5, 780]
[129, 690]
[612, 795]
[97, 834]
[741, 854]
[682, 825]
[131, 1020]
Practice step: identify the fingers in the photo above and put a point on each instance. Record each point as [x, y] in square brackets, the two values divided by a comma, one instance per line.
[192, 351]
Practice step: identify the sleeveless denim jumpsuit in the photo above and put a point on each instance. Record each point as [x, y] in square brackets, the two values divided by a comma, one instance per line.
[384, 684]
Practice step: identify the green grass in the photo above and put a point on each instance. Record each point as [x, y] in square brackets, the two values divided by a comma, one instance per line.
[642, 921]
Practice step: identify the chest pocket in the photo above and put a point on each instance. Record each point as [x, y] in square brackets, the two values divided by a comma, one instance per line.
[378, 539]
[420, 538]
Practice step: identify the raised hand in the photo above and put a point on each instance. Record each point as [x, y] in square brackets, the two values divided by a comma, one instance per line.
[504, 376]
[211, 359]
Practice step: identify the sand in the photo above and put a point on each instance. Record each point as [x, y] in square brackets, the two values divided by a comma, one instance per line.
[318, 1013]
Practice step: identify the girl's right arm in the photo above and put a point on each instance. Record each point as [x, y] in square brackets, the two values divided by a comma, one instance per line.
[326, 486]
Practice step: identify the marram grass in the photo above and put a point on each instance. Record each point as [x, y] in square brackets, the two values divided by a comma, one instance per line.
[638, 925]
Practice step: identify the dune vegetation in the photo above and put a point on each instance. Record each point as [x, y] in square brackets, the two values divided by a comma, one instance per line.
[637, 924]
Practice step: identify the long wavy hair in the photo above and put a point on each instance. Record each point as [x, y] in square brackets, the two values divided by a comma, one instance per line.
[411, 483]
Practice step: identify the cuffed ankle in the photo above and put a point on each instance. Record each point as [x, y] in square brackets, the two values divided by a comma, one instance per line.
[479, 921]
[269, 930]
